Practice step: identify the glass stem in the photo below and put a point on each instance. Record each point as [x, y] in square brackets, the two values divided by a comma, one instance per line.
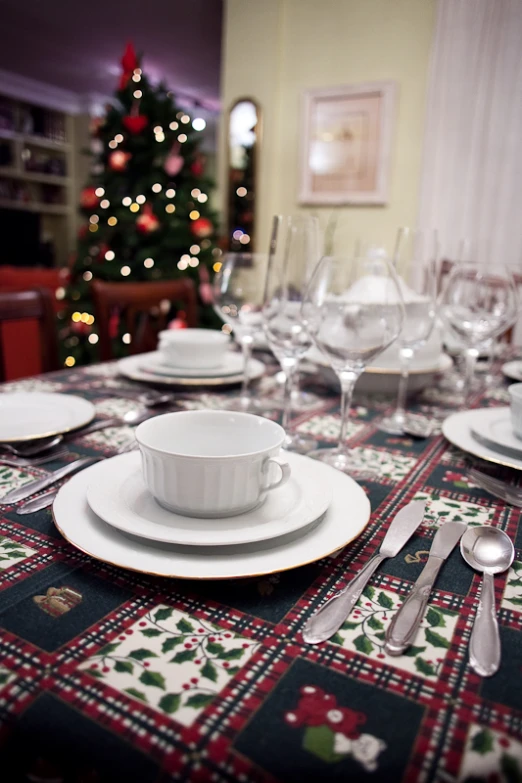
[406, 355]
[289, 367]
[347, 380]
[471, 361]
[246, 346]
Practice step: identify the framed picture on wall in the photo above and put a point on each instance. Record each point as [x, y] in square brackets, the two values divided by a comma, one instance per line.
[346, 144]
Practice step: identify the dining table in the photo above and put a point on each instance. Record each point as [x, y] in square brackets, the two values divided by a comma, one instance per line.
[109, 674]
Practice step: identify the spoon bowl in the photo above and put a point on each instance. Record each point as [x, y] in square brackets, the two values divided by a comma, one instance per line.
[487, 549]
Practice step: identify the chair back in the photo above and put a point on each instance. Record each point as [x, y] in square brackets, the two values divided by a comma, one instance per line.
[144, 308]
[35, 305]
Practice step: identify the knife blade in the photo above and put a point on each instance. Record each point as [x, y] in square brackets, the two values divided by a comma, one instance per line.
[37, 504]
[404, 626]
[329, 617]
[39, 484]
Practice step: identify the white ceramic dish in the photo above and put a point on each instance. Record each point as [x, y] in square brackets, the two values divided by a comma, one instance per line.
[513, 370]
[195, 349]
[132, 367]
[31, 415]
[496, 432]
[457, 428]
[346, 518]
[118, 495]
[232, 364]
[211, 463]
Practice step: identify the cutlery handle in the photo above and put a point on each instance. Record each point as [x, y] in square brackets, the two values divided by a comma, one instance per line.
[404, 626]
[94, 427]
[37, 504]
[37, 486]
[484, 645]
[329, 617]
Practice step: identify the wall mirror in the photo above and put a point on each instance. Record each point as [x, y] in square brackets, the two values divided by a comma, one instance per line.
[244, 140]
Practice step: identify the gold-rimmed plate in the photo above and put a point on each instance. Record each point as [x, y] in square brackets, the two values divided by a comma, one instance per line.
[458, 427]
[345, 519]
[28, 416]
[133, 367]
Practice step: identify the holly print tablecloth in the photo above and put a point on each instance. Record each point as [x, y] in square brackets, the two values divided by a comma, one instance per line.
[110, 675]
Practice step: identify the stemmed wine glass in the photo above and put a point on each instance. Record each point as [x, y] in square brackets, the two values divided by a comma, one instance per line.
[294, 252]
[238, 298]
[479, 302]
[354, 310]
[416, 259]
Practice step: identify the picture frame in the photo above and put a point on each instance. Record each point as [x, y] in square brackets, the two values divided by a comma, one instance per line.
[347, 135]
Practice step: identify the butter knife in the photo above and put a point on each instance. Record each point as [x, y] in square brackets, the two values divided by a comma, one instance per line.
[39, 484]
[404, 626]
[38, 503]
[329, 617]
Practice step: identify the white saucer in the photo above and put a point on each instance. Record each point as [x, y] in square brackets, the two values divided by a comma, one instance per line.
[457, 428]
[31, 415]
[513, 370]
[345, 519]
[494, 430]
[119, 496]
[132, 367]
[232, 365]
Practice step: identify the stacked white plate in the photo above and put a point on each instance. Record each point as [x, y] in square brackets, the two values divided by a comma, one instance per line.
[151, 368]
[485, 433]
[106, 512]
[26, 416]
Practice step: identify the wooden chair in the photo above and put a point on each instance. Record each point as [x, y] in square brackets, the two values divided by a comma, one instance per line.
[142, 306]
[36, 305]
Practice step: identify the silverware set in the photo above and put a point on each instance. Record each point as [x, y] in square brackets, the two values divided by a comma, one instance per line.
[486, 549]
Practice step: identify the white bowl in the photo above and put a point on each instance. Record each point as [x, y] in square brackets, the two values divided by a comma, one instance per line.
[193, 348]
[210, 463]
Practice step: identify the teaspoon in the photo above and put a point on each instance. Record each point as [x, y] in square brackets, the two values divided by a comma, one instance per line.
[490, 551]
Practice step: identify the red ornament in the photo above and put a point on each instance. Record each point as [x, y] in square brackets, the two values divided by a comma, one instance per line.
[78, 327]
[129, 61]
[179, 322]
[202, 227]
[197, 168]
[147, 221]
[135, 123]
[88, 198]
[118, 160]
[173, 164]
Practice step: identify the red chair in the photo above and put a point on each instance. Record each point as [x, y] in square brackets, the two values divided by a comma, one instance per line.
[17, 308]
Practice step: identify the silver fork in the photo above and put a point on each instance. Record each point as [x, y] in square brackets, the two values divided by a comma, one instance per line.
[47, 499]
[25, 462]
[497, 488]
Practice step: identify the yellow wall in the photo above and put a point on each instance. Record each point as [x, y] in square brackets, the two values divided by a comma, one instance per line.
[275, 49]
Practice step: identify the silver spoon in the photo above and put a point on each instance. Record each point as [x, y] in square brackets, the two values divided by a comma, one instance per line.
[490, 551]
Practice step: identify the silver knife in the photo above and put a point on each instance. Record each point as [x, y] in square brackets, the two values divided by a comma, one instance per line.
[329, 618]
[404, 626]
[37, 504]
[36, 486]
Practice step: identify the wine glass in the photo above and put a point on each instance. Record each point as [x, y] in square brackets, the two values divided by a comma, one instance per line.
[479, 302]
[294, 252]
[416, 261]
[238, 298]
[353, 310]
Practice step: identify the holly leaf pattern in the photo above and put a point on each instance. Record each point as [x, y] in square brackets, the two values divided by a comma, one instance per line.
[369, 592]
[137, 694]
[108, 649]
[124, 666]
[363, 644]
[170, 643]
[151, 632]
[184, 655]
[510, 768]
[436, 639]
[199, 700]
[374, 623]
[163, 614]
[231, 655]
[170, 702]
[4, 676]
[413, 651]
[141, 654]
[95, 673]
[153, 678]
[482, 742]
[215, 649]
[424, 667]
[384, 600]
[209, 671]
[184, 626]
[435, 618]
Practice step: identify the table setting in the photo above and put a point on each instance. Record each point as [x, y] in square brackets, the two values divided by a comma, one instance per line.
[201, 581]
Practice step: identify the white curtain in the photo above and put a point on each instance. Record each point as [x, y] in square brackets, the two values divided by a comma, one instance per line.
[472, 171]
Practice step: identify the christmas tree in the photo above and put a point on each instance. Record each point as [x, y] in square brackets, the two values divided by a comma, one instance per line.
[146, 207]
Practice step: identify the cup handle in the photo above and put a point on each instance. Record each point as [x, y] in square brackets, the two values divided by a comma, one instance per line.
[285, 473]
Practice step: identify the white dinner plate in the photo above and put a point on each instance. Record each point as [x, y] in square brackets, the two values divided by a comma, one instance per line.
[494, 430]
[119, 496]
[31, 415]
[132, 367]
[345, 519]
[458, 427]
[513, 370]
[232, 365]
